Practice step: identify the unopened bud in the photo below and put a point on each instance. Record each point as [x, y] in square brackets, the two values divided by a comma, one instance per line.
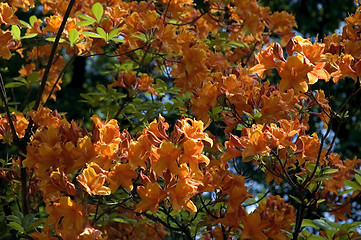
[278, 52]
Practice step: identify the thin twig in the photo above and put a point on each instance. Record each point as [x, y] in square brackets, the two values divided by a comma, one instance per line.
[58, 79]
[4, 98]
[52, 55]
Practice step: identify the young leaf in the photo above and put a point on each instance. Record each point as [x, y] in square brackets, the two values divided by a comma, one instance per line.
[16, 226]
[308, 223]
[87, 18]
[84, 23]
[102, 33]
[117, 40]
[25, 24]
[97, 10]
[14, 85]
[91, 34]
[52, 39]
[114, 32]
[15, 32]
[73, 36]
[32, 20]
[352, 184]
[321, 223]
[31, 35]
[358, 178]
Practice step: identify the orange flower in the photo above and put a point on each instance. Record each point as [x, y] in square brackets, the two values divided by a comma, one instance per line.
[293, 73]
[52, 24]
[5, 39]
[132, 82]
[193, 154]
[205, 99]
[7, 15]
[93, 179]
[255, 143]
[25, 4]
[184, 189]
[139, 152]
[166, 158]
[253, 227]
[266, 61]
[70, 214]
[121, 174]
[151, 196]
[20, 124]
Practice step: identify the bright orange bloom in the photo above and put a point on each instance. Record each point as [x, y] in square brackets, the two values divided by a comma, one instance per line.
[52, 24]
[56, 185]
[151, 196]
[266, 61]
[184, 189]
[166, 158]
[293, 73]
[121, 174]
[25, 4]
[20, 124]
[7, 15]
[253, 227]
[278, 215]
[93, 179]
[192, 131]
[71, 216]
[205, 99]
[139, 152]
[132, 82]
[5, 39]
[255, 143]
[193, 154]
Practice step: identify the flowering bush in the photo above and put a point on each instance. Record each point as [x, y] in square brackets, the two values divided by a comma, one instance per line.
[151, 170]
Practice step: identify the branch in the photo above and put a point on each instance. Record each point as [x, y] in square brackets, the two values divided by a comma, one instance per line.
[4, 98]
[52, 55]
[58, 79]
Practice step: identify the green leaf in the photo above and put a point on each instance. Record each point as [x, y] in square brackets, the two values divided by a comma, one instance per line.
[174, 21]
[52, 39]
[323, 178]
[308, 223]
[91, 34]
[31, 35]
[321, 223]
[120, 220]
[346, 191]
[16, 226]
[32, 20]
[117, 40]
[114, 32]
[358, 178]
[25, 24]
[97, 10]
[315, 237]
[33, 77]
[352, 184]
[237, 44]
[330, 233]
[102, 33]
[330, 171]
[87, 18]
[296, 199]
[141, 36]
[14, 85]
[73, 36]
[84, 23]
[28, 220]
[14, 218]
[15, 32]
